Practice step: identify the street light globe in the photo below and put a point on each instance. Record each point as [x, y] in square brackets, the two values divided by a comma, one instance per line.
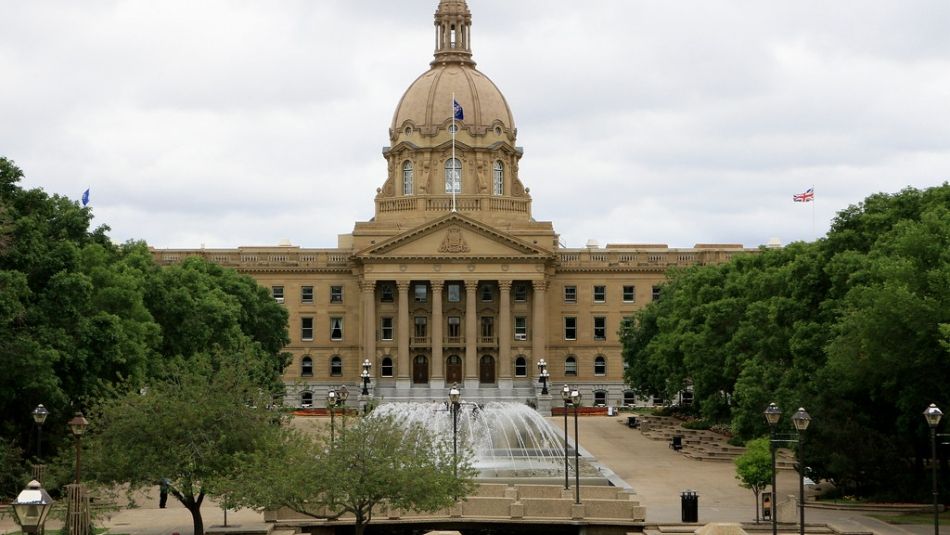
[367, 364]
[331, 398]
[39, 414]
[801, 419]
[342, 393]
[31, 507]
[542, 364]
[575, 398]
[566, 393]
[78, 424]
[773, 414]
[454, 394]
[933, 415]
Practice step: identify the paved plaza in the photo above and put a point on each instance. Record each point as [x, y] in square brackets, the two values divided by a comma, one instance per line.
[657, 474]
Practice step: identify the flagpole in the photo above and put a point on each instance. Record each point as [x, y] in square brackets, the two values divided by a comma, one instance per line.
[454, 170]
[813, 233]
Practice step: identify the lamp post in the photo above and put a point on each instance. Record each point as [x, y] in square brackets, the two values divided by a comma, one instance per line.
[576, 401]
[341, 395]
[566, 396]
[331, 404]
[31, 507]
[39, 418]
[365, 375]
[543, 376]
[801, 419]
[454, 396]
[933, 415]
[772, 416]
[78, 426]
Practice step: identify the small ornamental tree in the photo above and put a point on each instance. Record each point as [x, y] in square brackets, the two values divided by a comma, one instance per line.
[754, 468]
[376, 462]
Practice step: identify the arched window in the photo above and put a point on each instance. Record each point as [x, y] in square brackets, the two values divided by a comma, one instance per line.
[453, 175]
[600, 365]
[570, 366]
[306, 399]
[521, 366]
[498, 178]
[407, 177]
[306, 367]
[386, 367]
[600, 398]
[629, 398]
[336, 366]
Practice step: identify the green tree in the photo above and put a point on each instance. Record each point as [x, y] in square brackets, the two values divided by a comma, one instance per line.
[375, 462]
[754, 469]
[191, 430]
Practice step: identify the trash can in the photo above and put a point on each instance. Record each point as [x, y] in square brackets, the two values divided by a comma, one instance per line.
[676, 442]
[689, 502]
[632, 422]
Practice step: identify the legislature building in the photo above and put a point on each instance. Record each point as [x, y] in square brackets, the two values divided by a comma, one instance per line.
[453, 280]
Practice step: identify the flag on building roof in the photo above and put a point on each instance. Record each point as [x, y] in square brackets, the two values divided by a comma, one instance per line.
[457, 110]
[85, 197]
[808, 196]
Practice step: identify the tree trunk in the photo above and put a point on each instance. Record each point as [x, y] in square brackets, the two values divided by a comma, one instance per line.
[756, 494]
[197, 522]
[361, 522]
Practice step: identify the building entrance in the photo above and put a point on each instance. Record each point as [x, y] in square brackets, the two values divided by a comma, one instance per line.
[486, 370]
[453, 369]
[420, 370]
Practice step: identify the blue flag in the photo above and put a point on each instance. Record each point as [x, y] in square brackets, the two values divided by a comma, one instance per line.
[85, 197]
[457, 108]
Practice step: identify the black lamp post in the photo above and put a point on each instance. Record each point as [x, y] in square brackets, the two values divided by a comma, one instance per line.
[31, 507]
[365, 375]
[772, 416]
[454, 396]
[331, 404]
[39, 417]
[801, 419]
[78, 426]
[933, 415]
[566, 396]
[543, 376]
[576, 401]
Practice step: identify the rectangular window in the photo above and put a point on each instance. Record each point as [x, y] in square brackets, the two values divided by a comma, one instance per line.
[486, 294]
[386, 293]
[570, 294]
[521, 328]
[521, 293]
[600, 294]
[306, 328]
[656, 293]
[455, 327]
[488, 327]
[336, 329]
[277, 292]
[455, 293]
[306, 294]
[336, 294]
[570, 328]
[600, 328]
[421, 328]
[421, 293]
[386, 329]
[629, 294]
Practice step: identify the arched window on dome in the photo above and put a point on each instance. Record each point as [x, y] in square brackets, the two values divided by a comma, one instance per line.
[407, 177]
[498, 178]
[453, 176]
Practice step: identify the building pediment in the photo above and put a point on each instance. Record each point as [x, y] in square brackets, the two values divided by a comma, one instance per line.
[453, 237]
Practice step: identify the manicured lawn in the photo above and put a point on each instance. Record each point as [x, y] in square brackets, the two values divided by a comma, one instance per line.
[914, 518]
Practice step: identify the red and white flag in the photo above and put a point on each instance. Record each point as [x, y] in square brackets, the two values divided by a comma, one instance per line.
[808, 196]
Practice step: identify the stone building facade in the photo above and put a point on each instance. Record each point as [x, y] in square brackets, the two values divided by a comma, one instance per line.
[453, 280]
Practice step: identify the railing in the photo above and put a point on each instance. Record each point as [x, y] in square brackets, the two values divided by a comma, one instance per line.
[244, 259]
[602, 258]
[487, 341]
[420, 340]
[454, 340]
[463, 203]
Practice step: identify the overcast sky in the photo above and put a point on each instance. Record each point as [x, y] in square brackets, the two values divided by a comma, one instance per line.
[230, 123]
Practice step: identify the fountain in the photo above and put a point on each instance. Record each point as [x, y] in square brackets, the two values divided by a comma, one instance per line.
[508, 441]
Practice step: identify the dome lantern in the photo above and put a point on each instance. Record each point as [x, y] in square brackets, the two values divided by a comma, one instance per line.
[453, 31]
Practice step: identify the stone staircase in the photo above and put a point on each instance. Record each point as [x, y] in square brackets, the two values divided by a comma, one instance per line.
[514, 394]
[703, 445]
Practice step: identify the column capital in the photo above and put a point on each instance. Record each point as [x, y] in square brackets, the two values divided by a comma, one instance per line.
[471, 285]
[539, 285]
[504, 285]
[368, 285]
[402, 286]
[437, 286]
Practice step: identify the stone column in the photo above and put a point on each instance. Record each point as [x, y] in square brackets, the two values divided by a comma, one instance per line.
[438, 376]
[504, 335]
[471, 334]
[369, 323]
[539, 330]
[402, 348]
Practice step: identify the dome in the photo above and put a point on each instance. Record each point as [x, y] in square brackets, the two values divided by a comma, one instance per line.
[427, 104]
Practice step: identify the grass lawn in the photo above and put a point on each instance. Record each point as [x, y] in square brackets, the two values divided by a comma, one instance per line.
[914, 518]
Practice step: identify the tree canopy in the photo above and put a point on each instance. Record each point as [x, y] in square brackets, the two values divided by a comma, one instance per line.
[854, 326]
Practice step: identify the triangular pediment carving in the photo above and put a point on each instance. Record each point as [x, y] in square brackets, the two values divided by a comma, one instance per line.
[452, 237]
